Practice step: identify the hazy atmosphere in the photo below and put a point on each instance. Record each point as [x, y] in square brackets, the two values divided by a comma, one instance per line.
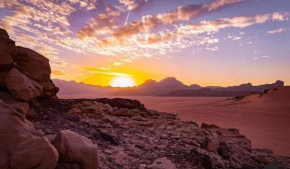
[205, 42]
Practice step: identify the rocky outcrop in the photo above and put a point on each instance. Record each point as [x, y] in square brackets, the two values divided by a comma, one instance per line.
[20, 86]
[122, 103]
[141, 138]
[76, 149]
[24, 77]
[19, 146]
[37, 67]
[24, 72]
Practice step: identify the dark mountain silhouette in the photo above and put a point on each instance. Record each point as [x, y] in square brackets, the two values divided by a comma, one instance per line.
[74, 88]
[206, 92]
[216, 91]
[153, 88]
[250, 87]
[167, 87]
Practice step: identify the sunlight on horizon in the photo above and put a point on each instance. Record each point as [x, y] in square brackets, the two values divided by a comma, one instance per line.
[123, 81]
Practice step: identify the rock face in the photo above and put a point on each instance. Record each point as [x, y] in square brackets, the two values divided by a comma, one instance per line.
[20, 86]
[24, 77]
[19, 147]
[37, 67]
[77, 149]
[122, 103]
[24, 72]
[20, 106]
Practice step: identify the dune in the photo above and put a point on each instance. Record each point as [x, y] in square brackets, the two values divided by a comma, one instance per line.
[278, 98]
[262, 118]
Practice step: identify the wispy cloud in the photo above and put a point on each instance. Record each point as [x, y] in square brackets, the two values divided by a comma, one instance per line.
[277, 31]
[261, 57]
[47, 28]
[102, 71]
[58, 72]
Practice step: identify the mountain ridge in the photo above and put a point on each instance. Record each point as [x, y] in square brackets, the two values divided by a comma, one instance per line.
[168, 86]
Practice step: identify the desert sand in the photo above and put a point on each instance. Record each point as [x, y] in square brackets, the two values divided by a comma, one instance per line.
[264, 120]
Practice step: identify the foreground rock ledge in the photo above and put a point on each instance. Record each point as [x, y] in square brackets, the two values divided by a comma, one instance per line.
[141, 138]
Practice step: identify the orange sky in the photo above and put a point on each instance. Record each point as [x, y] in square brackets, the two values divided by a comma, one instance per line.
[205, 42]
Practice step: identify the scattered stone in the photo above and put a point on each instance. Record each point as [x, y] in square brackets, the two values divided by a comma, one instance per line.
[30, 113]
[208, 126]
[224, 150]
[209, 145]
[122, 103]
[162, 163]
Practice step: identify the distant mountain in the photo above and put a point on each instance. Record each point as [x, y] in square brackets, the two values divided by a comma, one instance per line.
[205, 92]
[74, 88]
[153, 88]
[167, 87]
[250, 87]
[215, 91]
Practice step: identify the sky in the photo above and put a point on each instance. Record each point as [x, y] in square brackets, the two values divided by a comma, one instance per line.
[107, 42]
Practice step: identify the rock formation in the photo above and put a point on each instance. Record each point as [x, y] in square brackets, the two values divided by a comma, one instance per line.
[25, 79]
[40, 131]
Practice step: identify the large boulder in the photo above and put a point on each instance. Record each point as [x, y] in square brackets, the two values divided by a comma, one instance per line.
[73, 148]
[38, 68]
[20, 106]
[19, 147]
[20, 86]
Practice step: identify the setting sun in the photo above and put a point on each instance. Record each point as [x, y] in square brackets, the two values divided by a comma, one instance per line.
[122, 81]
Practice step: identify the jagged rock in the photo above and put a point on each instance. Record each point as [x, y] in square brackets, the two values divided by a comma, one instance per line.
[74, 148]
[129, 145]
[122, 103]
[122, 112]
[224, 150]
[87, 108]
[19, 146]
[109, 138]
[37, 86]
[20, 86]
[31, 113]
[37, 67]
[20, 106]
[108, 108]
[8, 43]
[208, 126]
[209, 145]
[5, 58]
[162, 163]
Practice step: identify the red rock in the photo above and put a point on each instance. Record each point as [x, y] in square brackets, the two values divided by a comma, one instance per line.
[19, 146]
[74, 148]
[20, 86]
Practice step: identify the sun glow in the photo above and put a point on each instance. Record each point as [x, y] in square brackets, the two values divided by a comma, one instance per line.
[122, 81]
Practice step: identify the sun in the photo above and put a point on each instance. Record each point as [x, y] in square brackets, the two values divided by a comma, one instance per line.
[122, 81]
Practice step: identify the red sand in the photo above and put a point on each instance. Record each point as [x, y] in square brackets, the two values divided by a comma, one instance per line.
[265, 120]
